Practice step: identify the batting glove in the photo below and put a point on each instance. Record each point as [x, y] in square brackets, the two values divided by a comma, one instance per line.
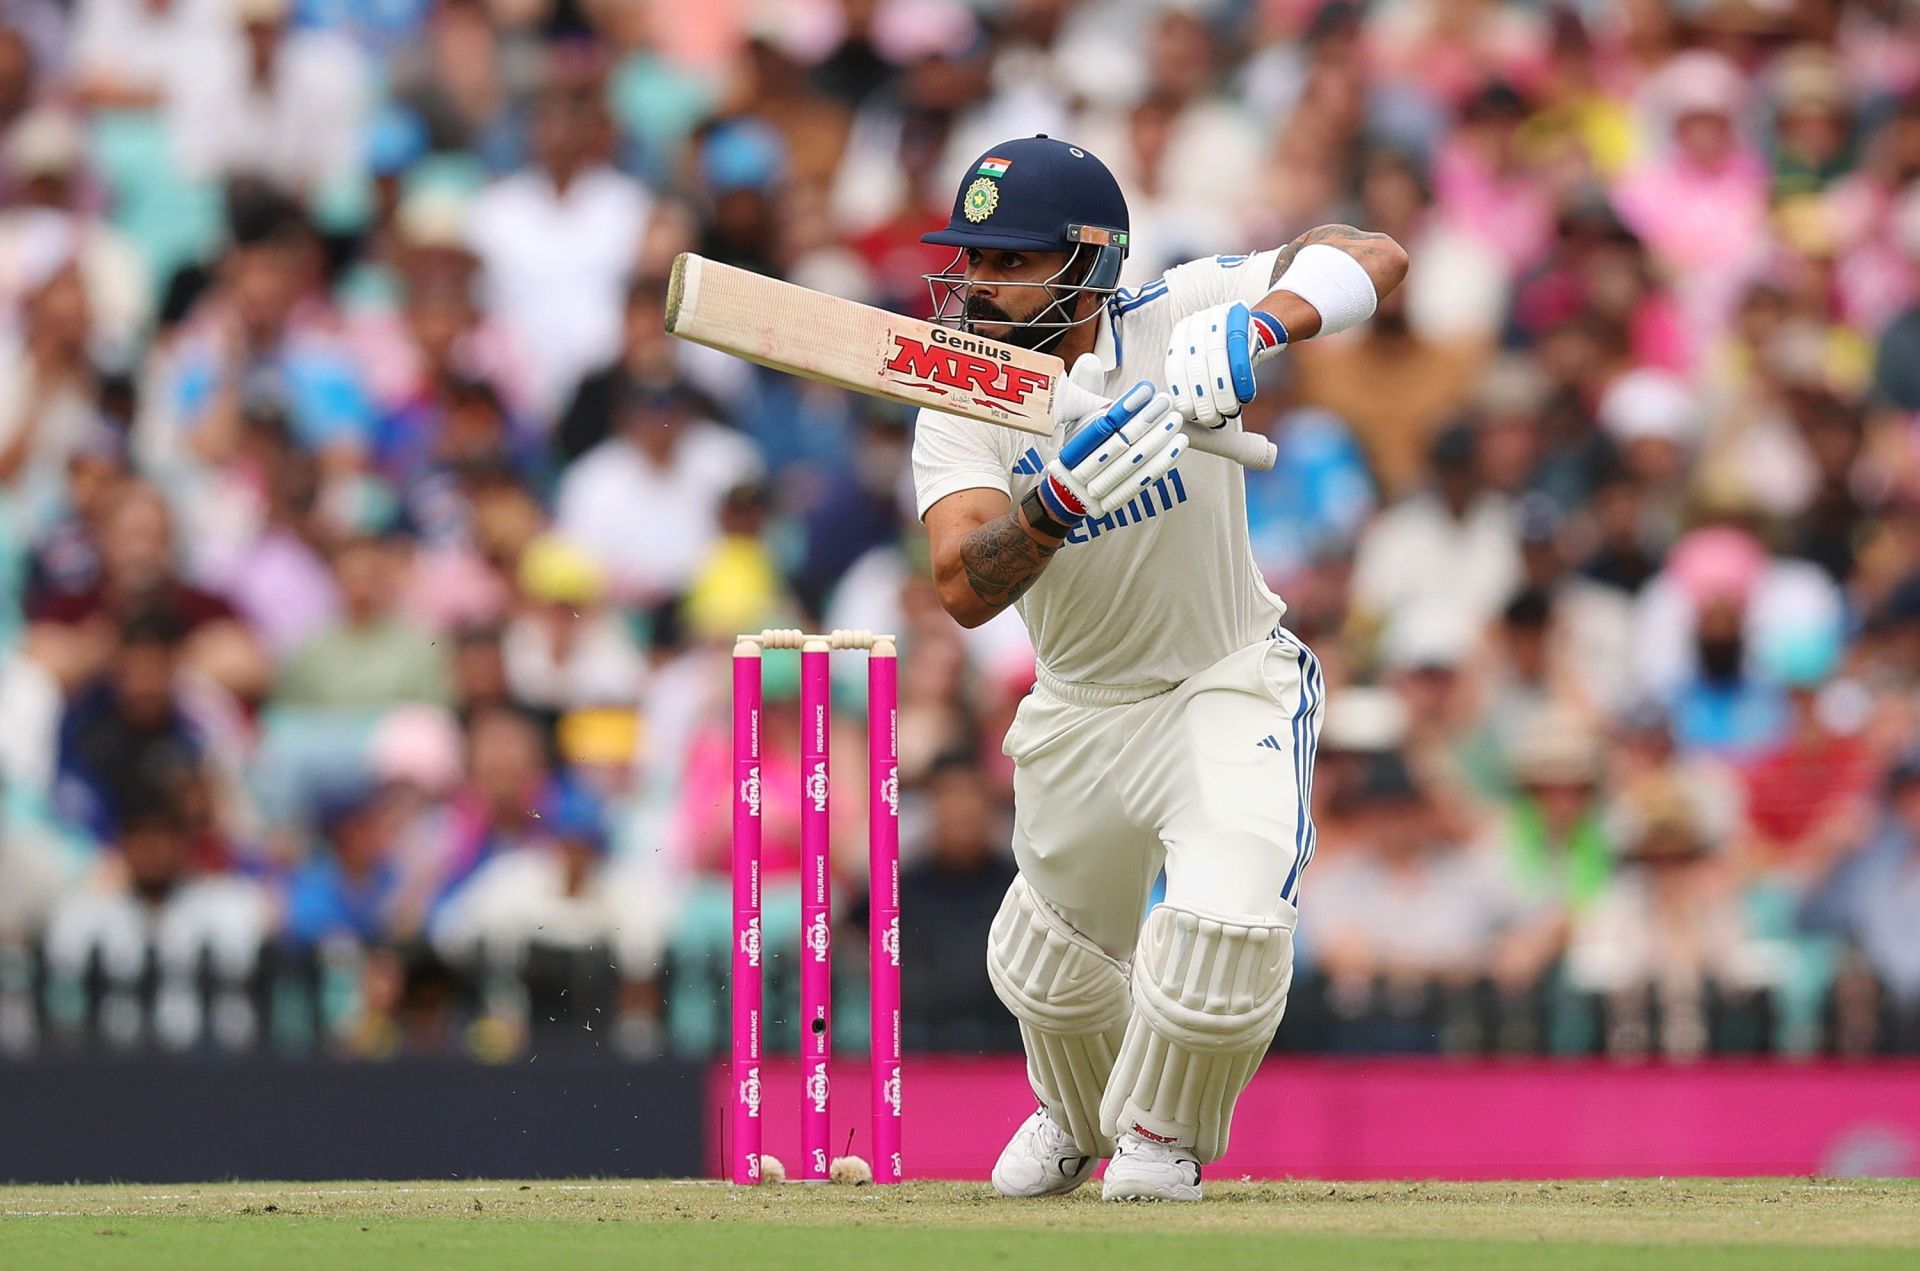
[1210, 360]
[1111, 454]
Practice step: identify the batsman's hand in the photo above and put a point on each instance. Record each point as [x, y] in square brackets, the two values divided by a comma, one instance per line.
[1210, 359]
[1111, 454]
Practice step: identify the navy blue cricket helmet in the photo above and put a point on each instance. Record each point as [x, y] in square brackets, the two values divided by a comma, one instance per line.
[1040, 194]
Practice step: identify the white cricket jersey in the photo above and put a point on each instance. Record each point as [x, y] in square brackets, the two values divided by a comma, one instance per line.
[1167, 585]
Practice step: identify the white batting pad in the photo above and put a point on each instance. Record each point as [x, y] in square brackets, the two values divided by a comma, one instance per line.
[1208, 993]
[1072, 1003]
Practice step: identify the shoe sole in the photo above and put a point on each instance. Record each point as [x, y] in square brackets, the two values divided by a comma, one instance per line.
[1149, 1197]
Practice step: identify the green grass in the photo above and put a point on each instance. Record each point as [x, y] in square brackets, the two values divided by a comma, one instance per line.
[548, 1226]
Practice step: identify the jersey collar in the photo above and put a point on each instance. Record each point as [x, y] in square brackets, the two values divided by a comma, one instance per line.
[1106, 339]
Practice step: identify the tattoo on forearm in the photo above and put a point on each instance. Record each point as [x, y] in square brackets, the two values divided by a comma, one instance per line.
[1376, 252]
[1002, 560]
[1281, 261]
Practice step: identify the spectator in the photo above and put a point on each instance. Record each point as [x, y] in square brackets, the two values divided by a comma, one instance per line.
[1719, 595]
[126, 53]
[566, 648]
[740, 578]
[1319, 493]
[1485, 184]
[262, 334]
[434, 337]
[279, 581]
[558, 240]
[18, 70]
[270, 101]
[347, 889]
[548, 889]
[1451, 547]
[1700, 203]
[508, 774]
[1550, 843]
[1869, 899]
[371, 657]
[36, 869]
[463, 79]
[948, 898]
[1184, 139]
[47, 395]
[1666, 945]
[153, 909]
[1524, 675]
[646, 357]
[1803, 794]
[667, 458]
[1403, 921]
[128, 730]
[742, 164]
[1429, 381]
[1813, 122]
[52, 225]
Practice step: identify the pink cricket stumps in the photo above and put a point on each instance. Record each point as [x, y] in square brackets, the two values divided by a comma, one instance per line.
[744, 1145]
[883, 884]
[744, 1135]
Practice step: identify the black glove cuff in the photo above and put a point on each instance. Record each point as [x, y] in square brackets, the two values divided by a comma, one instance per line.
[1035, 510]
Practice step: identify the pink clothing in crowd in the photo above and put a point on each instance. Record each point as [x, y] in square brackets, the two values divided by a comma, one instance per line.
[1706, 229]
[702, 824]
[1509, 213]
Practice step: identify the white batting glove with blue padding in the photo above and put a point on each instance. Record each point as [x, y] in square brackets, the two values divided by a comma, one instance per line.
[1111, 454]
[1210, 359]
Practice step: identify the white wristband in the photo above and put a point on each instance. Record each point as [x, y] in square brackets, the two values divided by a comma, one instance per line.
[1334, 283]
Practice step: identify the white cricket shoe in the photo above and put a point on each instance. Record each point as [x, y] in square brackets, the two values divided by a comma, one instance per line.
[1041, 1160]
[1144, 1170]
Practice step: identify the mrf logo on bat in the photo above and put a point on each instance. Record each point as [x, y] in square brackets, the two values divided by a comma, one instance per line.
[950, 362]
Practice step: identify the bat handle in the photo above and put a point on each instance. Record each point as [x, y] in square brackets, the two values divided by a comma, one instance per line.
[1248, 449]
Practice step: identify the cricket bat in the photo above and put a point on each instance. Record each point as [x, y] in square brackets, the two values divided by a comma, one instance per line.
[905, 360]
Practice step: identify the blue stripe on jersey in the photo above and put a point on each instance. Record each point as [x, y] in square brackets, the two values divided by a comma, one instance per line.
[1125, 301]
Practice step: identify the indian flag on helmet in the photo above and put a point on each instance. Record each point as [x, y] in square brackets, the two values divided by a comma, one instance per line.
[991, 167]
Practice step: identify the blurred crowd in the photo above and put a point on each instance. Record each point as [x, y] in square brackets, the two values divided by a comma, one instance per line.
[370, 558]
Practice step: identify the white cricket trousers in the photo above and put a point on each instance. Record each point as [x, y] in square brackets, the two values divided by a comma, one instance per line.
[1213, 778]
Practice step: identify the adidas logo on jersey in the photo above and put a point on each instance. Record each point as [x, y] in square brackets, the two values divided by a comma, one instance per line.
[1270, 742]
[1030, 464]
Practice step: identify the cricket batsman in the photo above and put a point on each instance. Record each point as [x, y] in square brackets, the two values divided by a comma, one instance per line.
[1174, 718]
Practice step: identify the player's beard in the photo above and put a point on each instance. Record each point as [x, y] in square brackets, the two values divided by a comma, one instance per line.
[1016, 331]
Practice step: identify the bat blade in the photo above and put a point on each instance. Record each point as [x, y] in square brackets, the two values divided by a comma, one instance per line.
[867, 350]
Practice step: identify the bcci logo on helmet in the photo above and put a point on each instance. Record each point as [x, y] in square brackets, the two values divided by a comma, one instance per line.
[750, 791]
[817, 786]
[817, 1088]
[982, 197]
[819, 938]
[750, 941]
[890, 941]
[750, 1092]
[890, 1092]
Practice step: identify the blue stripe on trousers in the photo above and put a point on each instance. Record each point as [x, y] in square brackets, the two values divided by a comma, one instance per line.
[1304, 822]
[1318, 678]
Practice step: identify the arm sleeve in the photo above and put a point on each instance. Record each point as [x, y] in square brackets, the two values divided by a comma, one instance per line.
[951, 454]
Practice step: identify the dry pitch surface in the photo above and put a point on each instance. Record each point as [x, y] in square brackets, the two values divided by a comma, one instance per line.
[546, 1225]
